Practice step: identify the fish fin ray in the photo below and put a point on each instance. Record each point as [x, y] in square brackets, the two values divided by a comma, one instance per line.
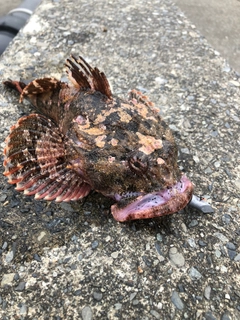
[35, 159]
[84, 77]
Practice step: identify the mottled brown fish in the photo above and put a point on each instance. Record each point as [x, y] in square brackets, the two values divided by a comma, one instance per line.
[84, 138]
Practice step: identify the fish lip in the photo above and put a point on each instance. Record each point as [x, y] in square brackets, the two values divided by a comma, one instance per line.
[156, 204]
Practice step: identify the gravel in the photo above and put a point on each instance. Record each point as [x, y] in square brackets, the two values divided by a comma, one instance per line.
[73, 260]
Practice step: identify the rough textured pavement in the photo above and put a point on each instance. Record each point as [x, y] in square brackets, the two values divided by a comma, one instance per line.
[73, 261]
[217, 20]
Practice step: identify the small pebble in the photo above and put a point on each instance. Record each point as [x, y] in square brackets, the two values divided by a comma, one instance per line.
[9, 257]
[232, 254]
[190, 98]
[160, 80]
[97, 296]
[227, 296]
[176, 257]
[176, 300]
[87, 313]
[7, 279]
[36, 257]
[202, 243]
[16, 277]
[74, 238]
[21, 286]
[234, 83]
[66, 260]
[181, 288]
[185, 150]
[147, 261]
[94, 244]
[114, 255]
[73, 266]
[3, 197]
[218, 253]
[209, 316]
[4, 246]
[159, 237]
[23, 309]
[184, 227]
[226, 218]
[207, 292]
[66, 206]
[42, 237]
[118, 306]
[214, 134]
[237, 257]
[226, 316]
[221, 236]
[132, 296]
[230, 246]
[88, 252]
[194, 274]
[158, 248]
[224, 269]
[77, 292]
[155, 314]
[193, 223]
[208, 170]
[191, 242]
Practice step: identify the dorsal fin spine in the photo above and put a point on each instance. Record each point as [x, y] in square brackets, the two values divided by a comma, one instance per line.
[83, 76]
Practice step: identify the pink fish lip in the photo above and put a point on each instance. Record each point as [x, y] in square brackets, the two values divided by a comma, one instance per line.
[156, 204]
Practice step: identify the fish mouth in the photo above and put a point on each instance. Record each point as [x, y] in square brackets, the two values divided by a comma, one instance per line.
[156, 204]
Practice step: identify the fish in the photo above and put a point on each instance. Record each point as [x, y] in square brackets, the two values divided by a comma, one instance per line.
[84, 138]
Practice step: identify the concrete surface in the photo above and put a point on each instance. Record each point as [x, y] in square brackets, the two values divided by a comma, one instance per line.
[73, 261]
[217, 20]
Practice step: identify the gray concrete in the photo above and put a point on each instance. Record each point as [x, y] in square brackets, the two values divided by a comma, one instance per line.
[219, 22]
[72, 260]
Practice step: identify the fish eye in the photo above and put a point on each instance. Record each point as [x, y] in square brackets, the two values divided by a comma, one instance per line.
[137, 164]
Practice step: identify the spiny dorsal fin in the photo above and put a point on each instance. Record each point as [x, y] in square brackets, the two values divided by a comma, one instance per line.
[83, 76]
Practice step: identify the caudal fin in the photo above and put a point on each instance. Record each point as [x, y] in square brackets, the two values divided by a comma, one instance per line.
[35, 160]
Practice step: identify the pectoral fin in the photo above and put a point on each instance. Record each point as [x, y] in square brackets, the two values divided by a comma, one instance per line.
[36, 161]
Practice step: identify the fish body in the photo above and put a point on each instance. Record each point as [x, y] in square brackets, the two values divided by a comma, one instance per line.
[84, 138]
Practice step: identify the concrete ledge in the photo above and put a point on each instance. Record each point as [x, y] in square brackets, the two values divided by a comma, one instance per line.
[73, 260]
